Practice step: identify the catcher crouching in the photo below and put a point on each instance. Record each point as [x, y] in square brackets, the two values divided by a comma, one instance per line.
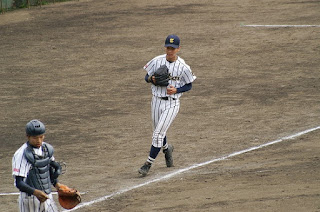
[35, 171]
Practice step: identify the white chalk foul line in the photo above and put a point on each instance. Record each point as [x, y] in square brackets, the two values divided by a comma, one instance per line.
[10, 194]
[280, 26]
[170, 175]
[17, 193]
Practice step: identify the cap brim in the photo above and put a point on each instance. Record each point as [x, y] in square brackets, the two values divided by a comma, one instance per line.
[171, 45]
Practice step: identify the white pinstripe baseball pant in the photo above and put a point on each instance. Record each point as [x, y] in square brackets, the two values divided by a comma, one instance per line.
[163, 113]
[32, 204]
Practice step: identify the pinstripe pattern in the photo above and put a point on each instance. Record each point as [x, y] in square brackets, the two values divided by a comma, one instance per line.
[180, 73]
[32, 204]
[163, 113]
[21, 167]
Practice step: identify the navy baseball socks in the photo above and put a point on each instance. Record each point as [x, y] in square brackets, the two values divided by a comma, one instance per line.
[154, 151]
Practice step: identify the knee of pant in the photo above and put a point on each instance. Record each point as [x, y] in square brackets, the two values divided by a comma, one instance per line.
[157, 139]
[158, 136]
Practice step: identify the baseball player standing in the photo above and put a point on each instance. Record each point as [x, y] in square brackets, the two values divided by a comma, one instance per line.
[165, 102]
[35, 170]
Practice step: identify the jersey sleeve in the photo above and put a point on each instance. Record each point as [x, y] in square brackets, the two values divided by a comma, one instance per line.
[20, 165]
[149, 67]
[187, 75]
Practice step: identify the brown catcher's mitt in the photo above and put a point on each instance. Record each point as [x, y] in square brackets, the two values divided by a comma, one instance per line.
[68, 197]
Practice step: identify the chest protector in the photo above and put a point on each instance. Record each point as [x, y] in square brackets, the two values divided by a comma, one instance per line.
[39, 173]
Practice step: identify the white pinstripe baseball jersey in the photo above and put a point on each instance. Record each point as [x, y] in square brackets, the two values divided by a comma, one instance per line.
[180, 74]
[20, 165]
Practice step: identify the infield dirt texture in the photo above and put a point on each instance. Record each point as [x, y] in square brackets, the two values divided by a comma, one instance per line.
[77, 66]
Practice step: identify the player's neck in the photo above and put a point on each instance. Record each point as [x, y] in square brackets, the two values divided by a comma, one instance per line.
[171, 60]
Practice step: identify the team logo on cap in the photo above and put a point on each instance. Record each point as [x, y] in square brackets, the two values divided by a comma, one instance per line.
[171, 40]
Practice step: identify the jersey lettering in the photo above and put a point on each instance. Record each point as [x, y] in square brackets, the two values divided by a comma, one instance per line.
[180, 74]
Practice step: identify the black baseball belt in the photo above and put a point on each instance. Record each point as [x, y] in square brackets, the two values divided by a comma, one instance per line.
[167, 98]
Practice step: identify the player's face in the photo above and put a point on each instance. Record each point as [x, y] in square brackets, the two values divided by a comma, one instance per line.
[36, 141]
[171, 53]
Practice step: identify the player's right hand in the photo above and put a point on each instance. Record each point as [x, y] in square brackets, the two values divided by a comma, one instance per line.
[40, 195]
[171, 90]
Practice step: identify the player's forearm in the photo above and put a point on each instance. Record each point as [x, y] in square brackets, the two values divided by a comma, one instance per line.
[55, 171]
[22, 186]
[184, 88]
[148, 78]
[57, 186]
[54, 182]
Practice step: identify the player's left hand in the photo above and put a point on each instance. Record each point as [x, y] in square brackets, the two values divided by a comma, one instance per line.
[171, 90]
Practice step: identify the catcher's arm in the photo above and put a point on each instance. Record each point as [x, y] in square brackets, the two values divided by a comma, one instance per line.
[55, 171]
[57, 186]
[40, 195]
[24, 187]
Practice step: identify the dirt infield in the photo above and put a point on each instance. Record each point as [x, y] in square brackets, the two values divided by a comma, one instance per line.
[77, 66]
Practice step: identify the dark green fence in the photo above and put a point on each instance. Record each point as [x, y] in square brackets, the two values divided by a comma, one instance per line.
[6, 4]
[12, 4]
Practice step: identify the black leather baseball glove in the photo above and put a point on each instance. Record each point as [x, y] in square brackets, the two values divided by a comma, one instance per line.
[161, 76]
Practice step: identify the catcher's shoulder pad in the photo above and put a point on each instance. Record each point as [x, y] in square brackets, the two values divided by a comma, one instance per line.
[50, 149]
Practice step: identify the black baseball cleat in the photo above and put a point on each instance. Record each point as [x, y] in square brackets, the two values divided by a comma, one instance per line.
[168, 155]
[144, 169]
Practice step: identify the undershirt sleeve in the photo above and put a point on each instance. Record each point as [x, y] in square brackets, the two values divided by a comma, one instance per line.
[22, 186]
[184, 88]
[146, 78]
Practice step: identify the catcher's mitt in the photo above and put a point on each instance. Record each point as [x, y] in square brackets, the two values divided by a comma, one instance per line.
[68, 197]
[161, 76]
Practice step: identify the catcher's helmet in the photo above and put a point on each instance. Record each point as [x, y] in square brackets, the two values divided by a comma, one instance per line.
[35, 127]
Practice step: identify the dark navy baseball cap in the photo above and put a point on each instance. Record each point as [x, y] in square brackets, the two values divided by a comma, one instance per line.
[173, 41]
